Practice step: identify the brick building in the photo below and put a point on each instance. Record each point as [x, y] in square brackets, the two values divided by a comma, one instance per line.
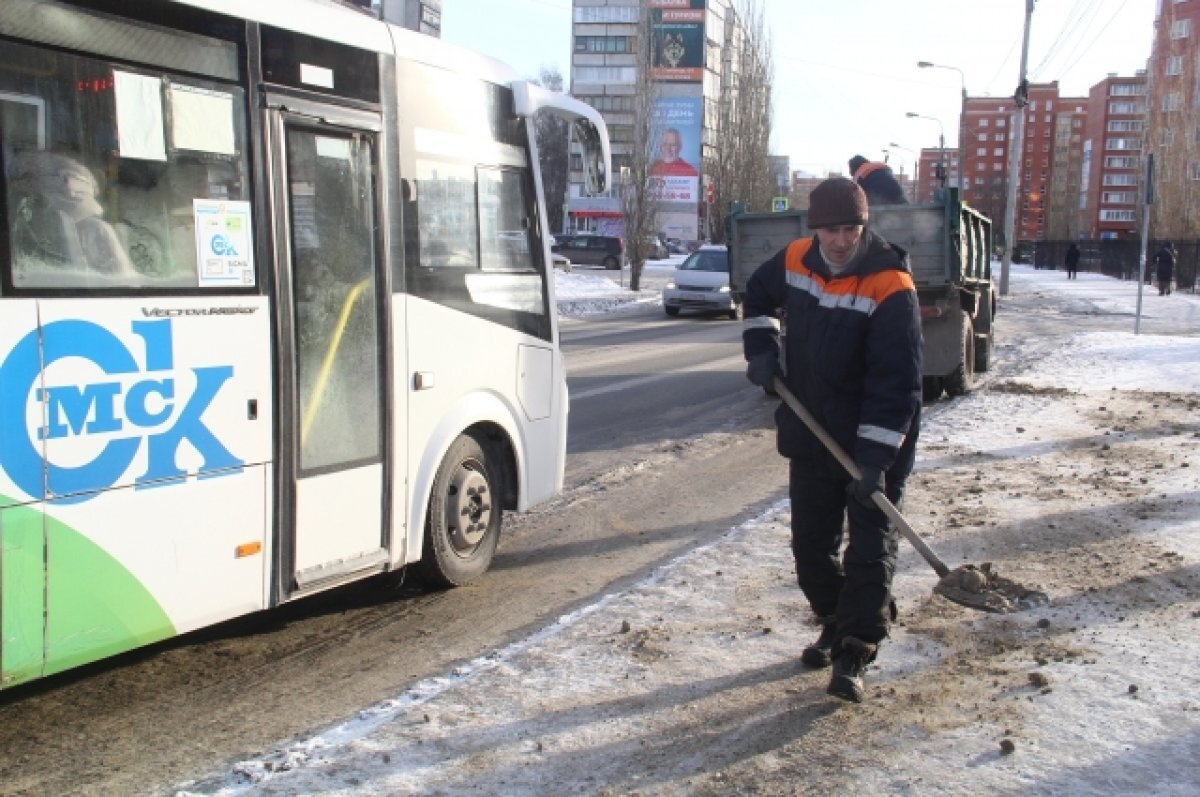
[1112, 158]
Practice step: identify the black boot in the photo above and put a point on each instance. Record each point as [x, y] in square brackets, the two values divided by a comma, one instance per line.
[816, 655]
[848, 668]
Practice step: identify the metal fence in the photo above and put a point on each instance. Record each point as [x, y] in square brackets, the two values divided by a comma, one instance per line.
[1117, 258]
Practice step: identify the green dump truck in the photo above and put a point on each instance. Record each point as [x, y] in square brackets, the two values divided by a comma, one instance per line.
[949, 249]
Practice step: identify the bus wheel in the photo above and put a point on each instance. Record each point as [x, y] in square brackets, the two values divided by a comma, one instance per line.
[463, 524]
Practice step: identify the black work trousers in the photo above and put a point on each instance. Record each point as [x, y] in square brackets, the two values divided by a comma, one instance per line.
[855, 588]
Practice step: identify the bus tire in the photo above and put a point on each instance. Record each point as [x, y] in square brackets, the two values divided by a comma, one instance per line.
[462, 527]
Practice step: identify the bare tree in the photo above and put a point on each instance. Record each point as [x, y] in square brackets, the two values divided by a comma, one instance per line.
[552, 133]
[741, 169]
[640, 195]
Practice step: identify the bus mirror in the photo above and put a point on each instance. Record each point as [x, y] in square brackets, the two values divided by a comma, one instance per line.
[595, 165]
[588, 128]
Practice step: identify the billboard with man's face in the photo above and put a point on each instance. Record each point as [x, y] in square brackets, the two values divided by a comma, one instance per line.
[675, 168]
[677, 36]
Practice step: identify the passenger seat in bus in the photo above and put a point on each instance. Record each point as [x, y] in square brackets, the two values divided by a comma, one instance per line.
[57, 221]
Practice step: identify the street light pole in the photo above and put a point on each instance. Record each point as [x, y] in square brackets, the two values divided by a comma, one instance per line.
[962, 119]
[941, 145]
[912, 184]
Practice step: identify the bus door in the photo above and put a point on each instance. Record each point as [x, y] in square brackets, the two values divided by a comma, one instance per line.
[332, 427]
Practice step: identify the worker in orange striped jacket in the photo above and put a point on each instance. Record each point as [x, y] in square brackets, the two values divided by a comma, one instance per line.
[852, 356]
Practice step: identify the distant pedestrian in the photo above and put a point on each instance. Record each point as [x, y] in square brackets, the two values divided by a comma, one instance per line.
[1072, 261]
[1164, 267]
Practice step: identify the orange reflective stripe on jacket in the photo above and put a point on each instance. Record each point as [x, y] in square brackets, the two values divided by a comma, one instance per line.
[866, 169]
[863, 293]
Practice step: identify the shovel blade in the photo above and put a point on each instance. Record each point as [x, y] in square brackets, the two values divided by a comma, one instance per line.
[984, 589]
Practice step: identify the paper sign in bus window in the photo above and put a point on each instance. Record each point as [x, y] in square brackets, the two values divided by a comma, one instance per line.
[202, 120]
[224, 257]
[140, 132]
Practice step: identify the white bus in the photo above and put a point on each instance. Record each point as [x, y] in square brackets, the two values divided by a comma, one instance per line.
[275, 313]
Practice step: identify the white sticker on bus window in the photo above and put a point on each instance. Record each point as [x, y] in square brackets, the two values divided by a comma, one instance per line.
[316, 76]
[224, 253]
[202, 120]
[140, 130]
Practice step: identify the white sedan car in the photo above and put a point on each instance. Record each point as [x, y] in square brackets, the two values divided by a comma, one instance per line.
[702, 283]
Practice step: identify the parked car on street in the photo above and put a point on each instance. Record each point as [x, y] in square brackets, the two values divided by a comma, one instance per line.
[701, 282]
[591, 250]
[655, 249]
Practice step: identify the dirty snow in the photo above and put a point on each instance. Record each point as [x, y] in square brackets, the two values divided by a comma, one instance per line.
[1074, 466]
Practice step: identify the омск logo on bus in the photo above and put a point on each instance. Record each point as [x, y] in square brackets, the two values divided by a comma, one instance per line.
[107, 407]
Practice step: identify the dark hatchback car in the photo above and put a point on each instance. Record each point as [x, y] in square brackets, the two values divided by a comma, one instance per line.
[591, 250]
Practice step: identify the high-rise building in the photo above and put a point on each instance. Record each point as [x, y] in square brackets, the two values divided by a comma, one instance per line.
[984, 139]
[932, 162]
[1066, 170]
[694, 46]
[1173, 120]
[1033, 180]
[1112, 158]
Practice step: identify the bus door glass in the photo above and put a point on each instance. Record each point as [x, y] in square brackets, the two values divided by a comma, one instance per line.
[337, 376]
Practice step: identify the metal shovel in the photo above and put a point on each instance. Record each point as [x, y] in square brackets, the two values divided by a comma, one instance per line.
[974, 587]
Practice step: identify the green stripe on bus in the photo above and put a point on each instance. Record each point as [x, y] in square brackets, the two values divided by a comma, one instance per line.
[95, 607]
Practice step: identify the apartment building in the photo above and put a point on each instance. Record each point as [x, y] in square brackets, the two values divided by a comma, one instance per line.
[1066, 170]
[984, 140]
[1111, 166]
[931, 162]
[1173, 120]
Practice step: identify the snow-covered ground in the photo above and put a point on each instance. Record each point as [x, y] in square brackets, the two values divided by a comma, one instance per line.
[1074, 466]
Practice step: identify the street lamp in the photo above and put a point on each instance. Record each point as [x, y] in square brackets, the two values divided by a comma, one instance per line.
[941, 144]
[912, 184]
[962, 117]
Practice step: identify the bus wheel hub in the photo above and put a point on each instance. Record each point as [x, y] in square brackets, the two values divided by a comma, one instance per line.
[468, 508]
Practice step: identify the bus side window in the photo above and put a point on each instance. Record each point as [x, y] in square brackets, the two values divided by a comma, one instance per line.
[505, 228]
[57, 222]
[448, 222]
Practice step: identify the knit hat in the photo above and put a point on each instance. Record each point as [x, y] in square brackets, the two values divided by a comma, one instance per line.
[836, 201]
[855, 162]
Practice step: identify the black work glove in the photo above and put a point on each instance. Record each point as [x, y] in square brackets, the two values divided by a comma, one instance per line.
[862, 489]
[763, 368]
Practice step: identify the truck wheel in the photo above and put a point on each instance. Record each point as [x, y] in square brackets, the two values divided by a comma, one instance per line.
[962, 378]
[931, 388]
[463, 523]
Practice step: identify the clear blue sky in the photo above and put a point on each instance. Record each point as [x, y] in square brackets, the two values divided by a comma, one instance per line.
[846, 70]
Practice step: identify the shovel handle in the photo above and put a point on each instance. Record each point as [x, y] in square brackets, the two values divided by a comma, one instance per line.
[881, 500]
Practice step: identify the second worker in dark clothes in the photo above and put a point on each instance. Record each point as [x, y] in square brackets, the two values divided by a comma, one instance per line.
[877, 181]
